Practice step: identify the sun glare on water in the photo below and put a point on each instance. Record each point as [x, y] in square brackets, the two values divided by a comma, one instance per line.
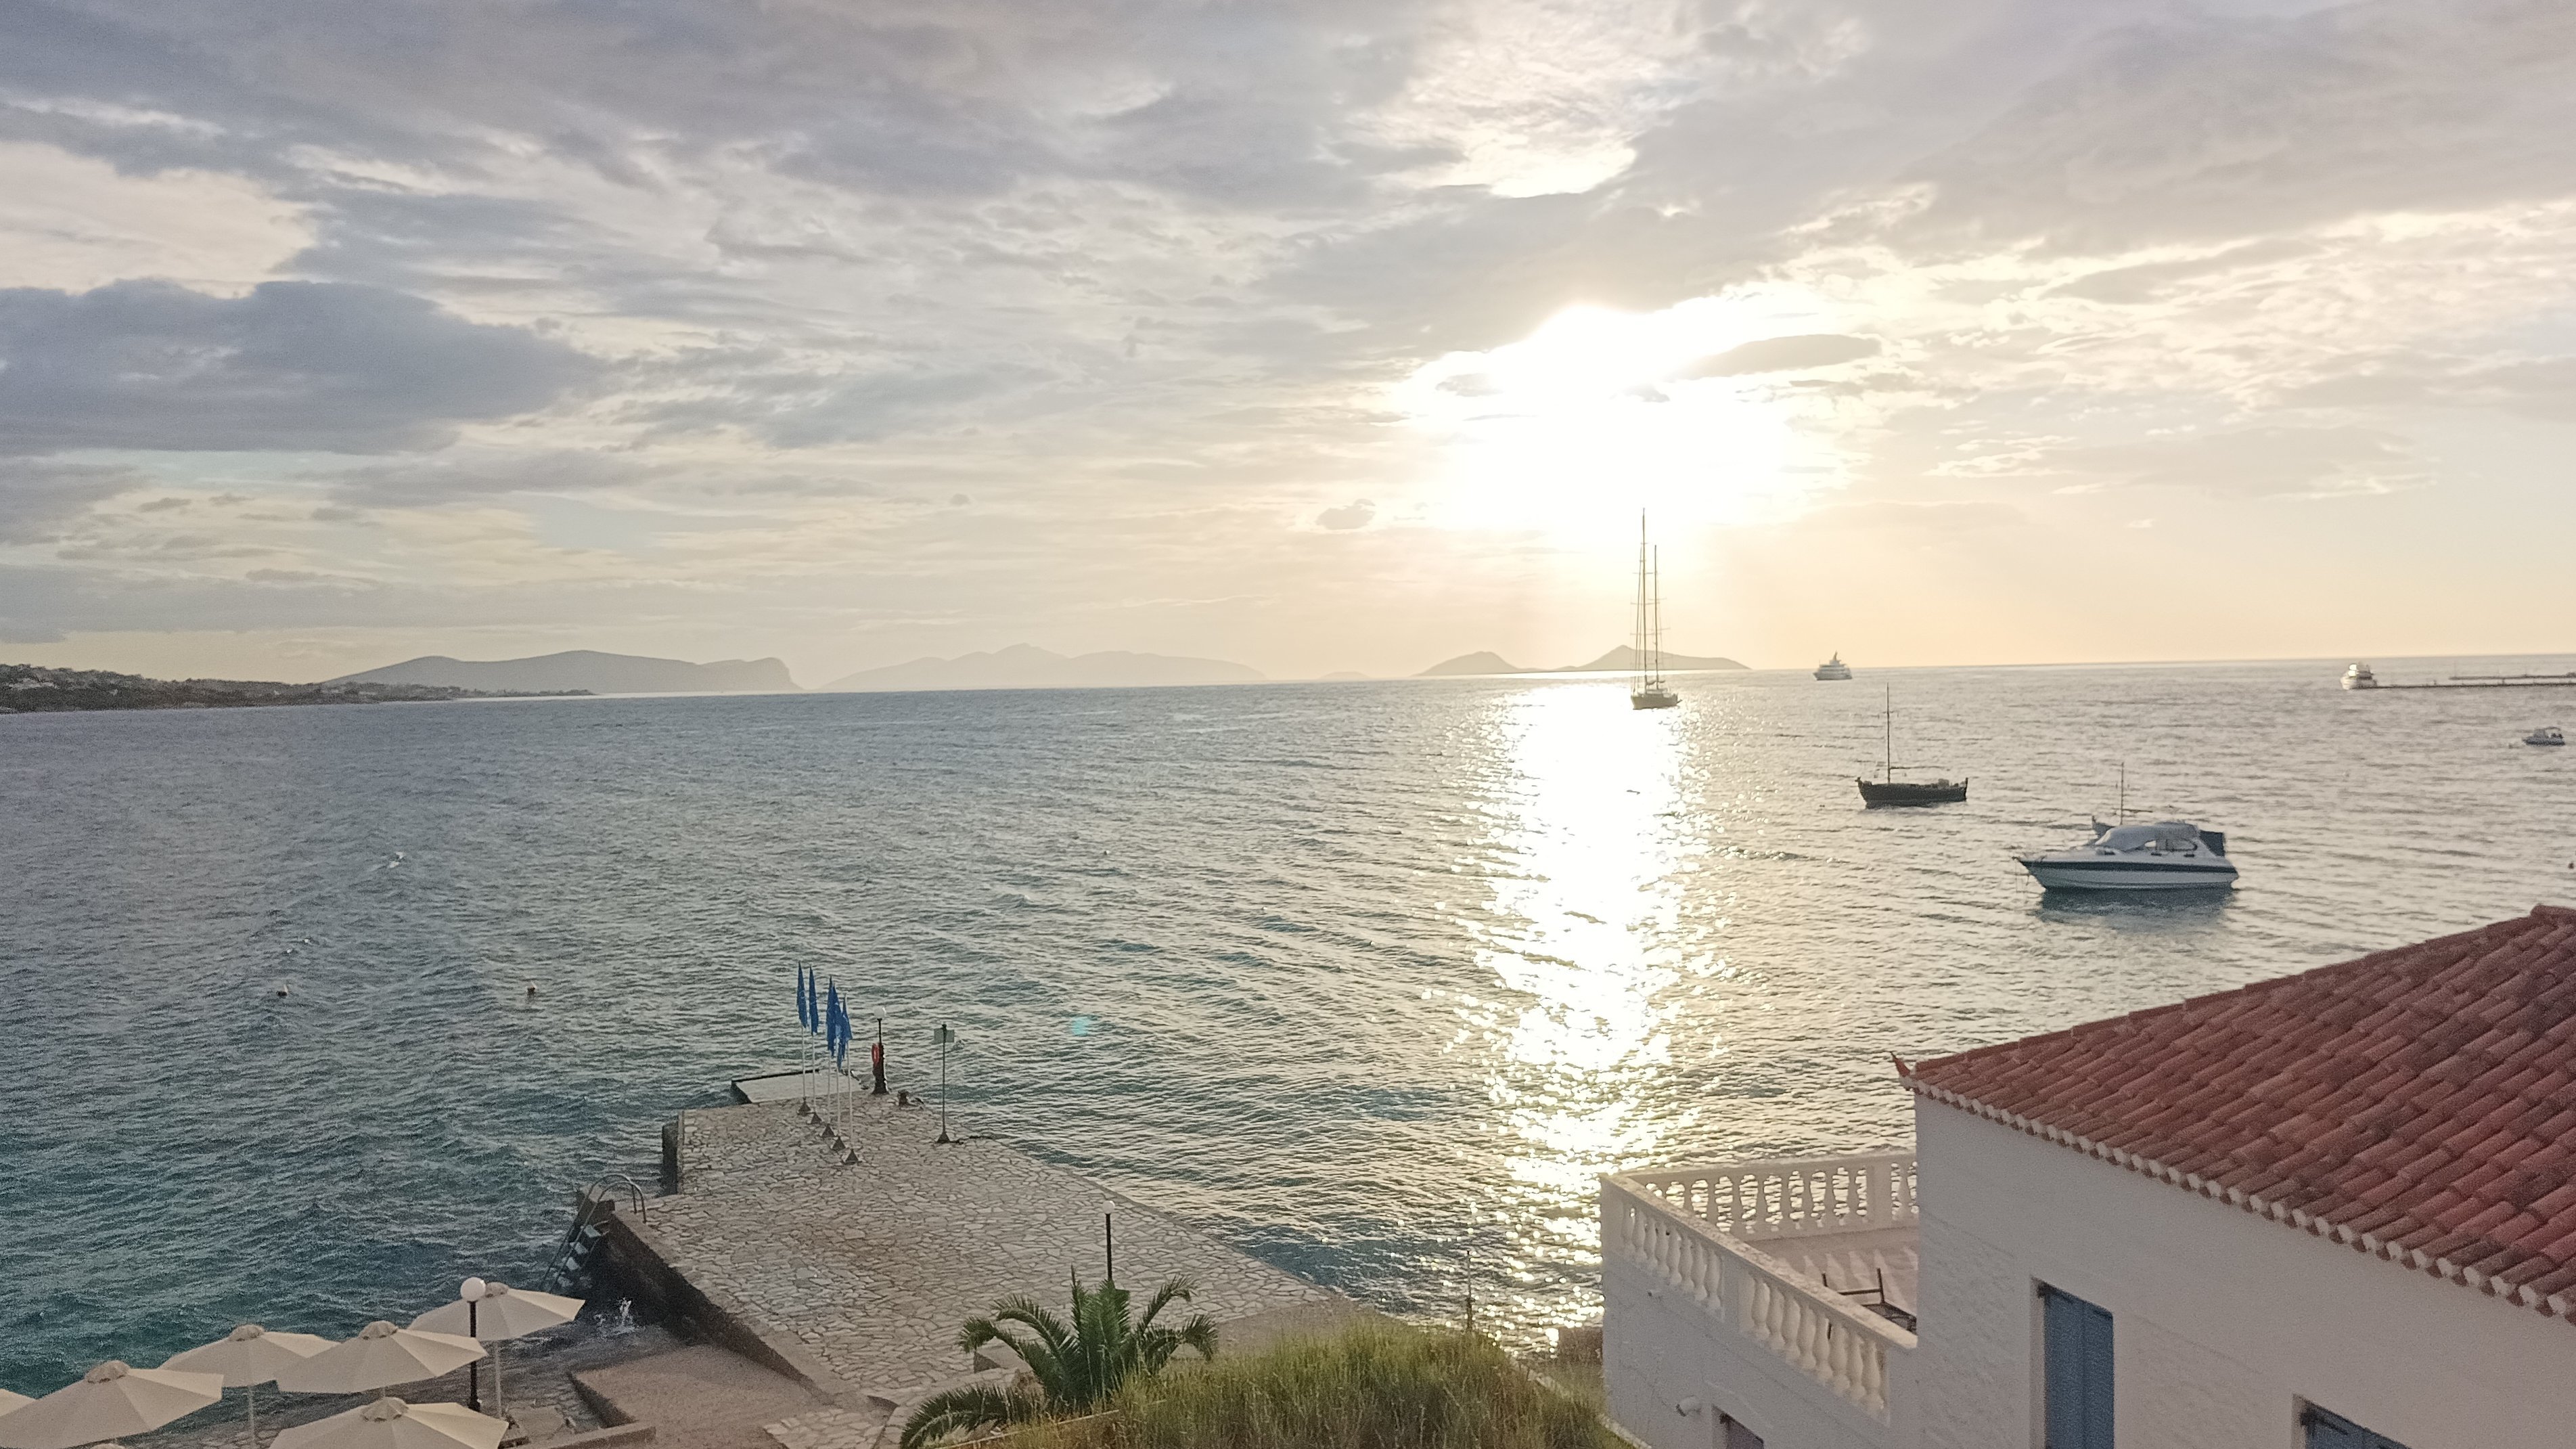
[1599, 413]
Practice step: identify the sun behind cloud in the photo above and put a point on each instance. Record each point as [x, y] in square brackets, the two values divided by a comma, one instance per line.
[1702, 412]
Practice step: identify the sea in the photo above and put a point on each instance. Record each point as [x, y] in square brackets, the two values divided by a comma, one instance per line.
[307, 1013]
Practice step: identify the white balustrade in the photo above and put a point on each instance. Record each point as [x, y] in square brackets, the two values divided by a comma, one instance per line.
[1757, 1200]
[1671, 1223]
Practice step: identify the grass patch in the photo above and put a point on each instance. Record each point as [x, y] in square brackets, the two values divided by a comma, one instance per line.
[1372, 1387]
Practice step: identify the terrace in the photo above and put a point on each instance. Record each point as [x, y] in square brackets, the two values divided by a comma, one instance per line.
[1778, 1295]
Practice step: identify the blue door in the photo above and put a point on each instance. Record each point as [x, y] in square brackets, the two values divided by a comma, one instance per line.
[2333, 1431]
[2075, 1362]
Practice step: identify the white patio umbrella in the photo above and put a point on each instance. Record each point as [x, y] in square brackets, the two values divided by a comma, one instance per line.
[392, 1424]
[10, 1401]
[248, 1357]
[110, 1400]
[380, 1357]
[497, 1312]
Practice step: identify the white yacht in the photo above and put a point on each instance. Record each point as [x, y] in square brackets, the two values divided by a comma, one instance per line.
[2360, 677]
[2168, 855]
[2546, 735]
[1834, 668]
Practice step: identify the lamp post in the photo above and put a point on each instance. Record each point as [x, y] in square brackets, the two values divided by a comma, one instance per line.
[472, 1292]
[945, 1037]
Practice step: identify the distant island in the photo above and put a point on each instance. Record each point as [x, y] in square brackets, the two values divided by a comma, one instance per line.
[33, 689]
[584, 671]
[1621, 660]
[1024, 666]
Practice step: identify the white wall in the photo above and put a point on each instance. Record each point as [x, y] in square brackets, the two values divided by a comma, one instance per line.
[1660, 1349]
[2223, 1322]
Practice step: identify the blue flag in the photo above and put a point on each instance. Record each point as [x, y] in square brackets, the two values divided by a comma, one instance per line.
[834, 1022]
[804, 1007]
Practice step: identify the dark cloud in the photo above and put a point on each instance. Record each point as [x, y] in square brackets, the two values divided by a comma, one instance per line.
[2213, 127]
[1784, 354]
[39, 496]
[291, 366]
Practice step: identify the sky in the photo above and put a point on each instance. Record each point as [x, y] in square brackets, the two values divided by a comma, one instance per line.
[1312, 334]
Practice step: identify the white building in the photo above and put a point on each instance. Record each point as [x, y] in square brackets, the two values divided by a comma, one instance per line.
[2331, 1211]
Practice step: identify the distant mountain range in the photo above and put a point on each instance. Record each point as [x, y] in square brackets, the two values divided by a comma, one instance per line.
[1023, 666]
[586, 669]
[1621, 660]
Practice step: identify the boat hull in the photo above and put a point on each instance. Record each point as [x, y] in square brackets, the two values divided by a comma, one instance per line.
[2114, 873]
[1653, 699]
[1900, 792]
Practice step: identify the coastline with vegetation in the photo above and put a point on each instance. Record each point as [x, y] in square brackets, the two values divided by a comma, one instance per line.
[35, 689]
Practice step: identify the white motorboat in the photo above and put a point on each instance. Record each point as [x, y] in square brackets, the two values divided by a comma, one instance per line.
[1834, 668]
[2545, 735]
[2360, 677]
[2168, 855]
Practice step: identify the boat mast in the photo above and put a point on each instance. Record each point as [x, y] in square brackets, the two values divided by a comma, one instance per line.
[1641, 600]
[1887, 760]
[1655, 639]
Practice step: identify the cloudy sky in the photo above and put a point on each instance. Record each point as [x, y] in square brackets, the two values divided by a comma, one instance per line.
[1315, 334]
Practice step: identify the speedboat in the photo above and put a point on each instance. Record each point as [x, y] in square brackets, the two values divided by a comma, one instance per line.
[2360, 677]
[2168, 855]
[1834, 668]
[2545, 735]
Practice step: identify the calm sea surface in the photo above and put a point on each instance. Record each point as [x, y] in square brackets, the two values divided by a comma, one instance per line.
[1369, 979]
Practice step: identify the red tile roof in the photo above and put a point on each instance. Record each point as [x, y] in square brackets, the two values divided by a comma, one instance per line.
[2418, 1104]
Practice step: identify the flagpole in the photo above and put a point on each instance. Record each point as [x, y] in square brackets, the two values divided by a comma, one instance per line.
[945, 1035]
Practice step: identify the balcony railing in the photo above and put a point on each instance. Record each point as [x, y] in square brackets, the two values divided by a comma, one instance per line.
[1696, 1229]
[1757, 1200]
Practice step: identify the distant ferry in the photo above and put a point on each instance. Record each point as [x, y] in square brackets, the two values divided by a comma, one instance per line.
[1834, 668]
[2360, 677]
[2545, 735]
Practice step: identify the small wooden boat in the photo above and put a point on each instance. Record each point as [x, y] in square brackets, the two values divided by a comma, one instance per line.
[1889, 790]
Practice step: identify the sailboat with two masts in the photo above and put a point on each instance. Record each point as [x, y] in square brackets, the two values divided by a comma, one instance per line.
[1651, 691]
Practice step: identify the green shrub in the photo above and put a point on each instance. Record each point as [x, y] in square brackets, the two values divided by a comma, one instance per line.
[1372, 1387]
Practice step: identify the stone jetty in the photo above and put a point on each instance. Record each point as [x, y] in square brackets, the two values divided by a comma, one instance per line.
[847, 1263]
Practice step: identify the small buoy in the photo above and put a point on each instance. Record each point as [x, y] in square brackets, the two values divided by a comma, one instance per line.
[281, 991]
[532, 988]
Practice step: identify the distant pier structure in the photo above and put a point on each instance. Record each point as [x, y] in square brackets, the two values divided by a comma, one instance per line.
[2361, 677]
[847, 1264]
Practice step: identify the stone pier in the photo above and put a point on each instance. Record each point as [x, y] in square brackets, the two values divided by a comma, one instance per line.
[849, 1268]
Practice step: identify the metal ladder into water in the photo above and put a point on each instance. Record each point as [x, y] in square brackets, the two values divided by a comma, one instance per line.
[570, 1270]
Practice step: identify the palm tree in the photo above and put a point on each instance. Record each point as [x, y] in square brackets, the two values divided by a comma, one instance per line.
[1077, 1367]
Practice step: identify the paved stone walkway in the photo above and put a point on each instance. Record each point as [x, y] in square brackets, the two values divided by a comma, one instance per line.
[873, 1265]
